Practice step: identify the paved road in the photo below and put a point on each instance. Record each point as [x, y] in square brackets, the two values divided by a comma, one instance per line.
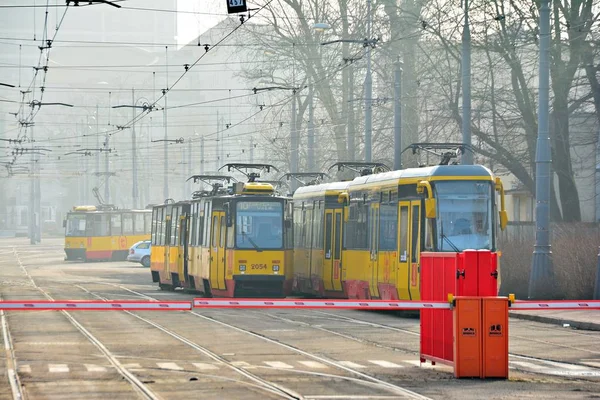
[244, 354]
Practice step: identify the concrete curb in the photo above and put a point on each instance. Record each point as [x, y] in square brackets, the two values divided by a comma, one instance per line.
[588, 326]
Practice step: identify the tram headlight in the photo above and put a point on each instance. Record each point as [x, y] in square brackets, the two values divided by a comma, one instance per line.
[242, 267]
[275, 268]
[81, 246]
[67, 245]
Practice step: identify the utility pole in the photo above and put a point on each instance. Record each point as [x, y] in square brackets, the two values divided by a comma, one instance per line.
[106, 170]
[251, 150]
[351, 126]
[541, 280]
[97, 147]
[293, 141]
[467, 157]
[368, 91]
[134, 184]
[398, 115]
[32, 228]
[166, 147]
[190, 168]
[202, 161]
[311, 132]
[106, 166]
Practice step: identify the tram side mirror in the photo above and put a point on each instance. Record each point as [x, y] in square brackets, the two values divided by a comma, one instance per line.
[430, 208]
[228, 219]
[503, 219]
[344, 199]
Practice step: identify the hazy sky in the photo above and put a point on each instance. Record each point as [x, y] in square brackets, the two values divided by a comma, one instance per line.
[190, 26]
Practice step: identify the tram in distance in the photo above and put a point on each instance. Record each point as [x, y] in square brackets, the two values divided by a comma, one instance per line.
[104, 233]
[229, 241]
[363, 239]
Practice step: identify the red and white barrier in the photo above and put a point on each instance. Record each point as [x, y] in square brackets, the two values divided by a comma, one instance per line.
[556, 305]
[83, 305]
[333, 304]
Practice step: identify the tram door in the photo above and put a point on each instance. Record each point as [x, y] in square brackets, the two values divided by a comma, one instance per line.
[374, 248]
[332, 265]
[409, 216]
[217, 251]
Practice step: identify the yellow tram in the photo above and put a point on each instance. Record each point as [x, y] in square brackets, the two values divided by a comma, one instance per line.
[228, 241]
[377, 225]
[104, 232]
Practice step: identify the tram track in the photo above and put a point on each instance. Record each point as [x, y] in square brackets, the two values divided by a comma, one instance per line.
[11, 361]
[365, 378]
[143, 390]
[515, 355]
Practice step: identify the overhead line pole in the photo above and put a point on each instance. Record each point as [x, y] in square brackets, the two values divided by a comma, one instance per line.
[541, 280]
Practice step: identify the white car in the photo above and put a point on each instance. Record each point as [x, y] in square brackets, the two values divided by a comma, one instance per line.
[140, 253]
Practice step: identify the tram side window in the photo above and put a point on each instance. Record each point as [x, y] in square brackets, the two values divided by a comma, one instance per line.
[298, 226]
[174, 226]
[200, 238]
[429, 235]
[328, 230]
[101, 225]
[357, 232]
[317, 232]
[147, 223]
[153, 232]
[192, 225]
[115, 225]
[403, 234]
[127, 224]
[416, 240]
[138, 223]
[160, 226]
[388, 229]
[215, 231]
[207, 225]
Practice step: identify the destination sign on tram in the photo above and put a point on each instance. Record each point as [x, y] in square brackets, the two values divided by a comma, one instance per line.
[259, 206]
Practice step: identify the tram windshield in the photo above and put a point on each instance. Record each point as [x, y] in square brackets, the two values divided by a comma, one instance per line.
[464, 215]
[75, 225]
[259, 225]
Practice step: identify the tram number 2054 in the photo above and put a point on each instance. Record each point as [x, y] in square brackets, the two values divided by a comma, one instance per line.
[259, 266]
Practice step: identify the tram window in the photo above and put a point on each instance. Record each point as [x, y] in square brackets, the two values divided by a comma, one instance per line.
[193, 228]
[214, 231]
[230, 236]
[207, 228]
[147, 223]
[388, 227]
[138, 223]
[222, 234]
[403, 234]
[338, 230]
[357, 231]
[415, 233]
[318, 228]
[429, 235]
[200, 238]
[160, 226]
[101, 225]
[115, 225]
[174, 226]
[127, 224]
[328, 231]
[153, 232]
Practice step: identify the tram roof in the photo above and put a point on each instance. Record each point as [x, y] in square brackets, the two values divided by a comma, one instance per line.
[323, 189]
[413, 175]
